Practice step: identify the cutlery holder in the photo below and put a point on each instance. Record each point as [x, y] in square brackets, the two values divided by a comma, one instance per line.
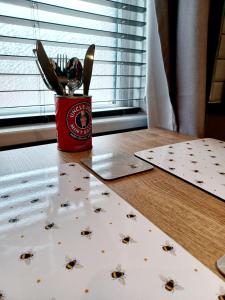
[73, 123]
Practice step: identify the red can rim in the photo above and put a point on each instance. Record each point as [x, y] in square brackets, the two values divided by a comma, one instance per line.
[77, 96]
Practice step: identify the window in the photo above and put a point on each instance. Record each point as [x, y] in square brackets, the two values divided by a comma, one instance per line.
[117, 28]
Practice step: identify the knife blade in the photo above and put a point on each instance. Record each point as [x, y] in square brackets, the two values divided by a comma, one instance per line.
[48, 69]
[87, 70]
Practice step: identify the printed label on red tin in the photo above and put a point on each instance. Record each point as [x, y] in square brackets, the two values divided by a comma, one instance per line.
[78, 120]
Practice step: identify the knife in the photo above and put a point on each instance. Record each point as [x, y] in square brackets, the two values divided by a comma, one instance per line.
[41, 72]
[87, 70]
[48, 69]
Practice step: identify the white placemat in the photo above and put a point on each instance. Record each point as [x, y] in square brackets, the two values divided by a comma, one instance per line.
[65, 235]
[200, 162]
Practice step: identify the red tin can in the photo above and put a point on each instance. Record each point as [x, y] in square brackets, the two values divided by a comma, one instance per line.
[74, 123]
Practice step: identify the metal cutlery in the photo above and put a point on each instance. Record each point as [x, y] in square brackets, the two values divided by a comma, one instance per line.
[88, 66]
[61, 63]
[48, 69]
[74, 72]
[65, 76]
[60, 68]
[42, 74]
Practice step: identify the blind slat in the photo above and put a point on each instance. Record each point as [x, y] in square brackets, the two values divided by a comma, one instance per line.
[93, 89]
[20, 66]
[68, 28]
[11, 83]
[72, 12]
[37, 74]
[53, 106]
[14, 39]
[32, 58]
[44, 98]
[119, 5]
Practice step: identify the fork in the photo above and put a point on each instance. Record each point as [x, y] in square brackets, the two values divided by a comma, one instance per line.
[62, 61]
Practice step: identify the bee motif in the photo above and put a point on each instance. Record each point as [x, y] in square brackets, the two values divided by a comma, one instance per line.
[26, 256]
[168, 248]
[34, 200]
[126, 239]
[118, 274]
[171, 168]
[78, 189]
[2, 297]
[72, 263]
[71, 165]
[171, 152]
[50, 185]
[221, 295]
[98, 210]
[170, 285]
[49, 226]
[4, 196]
[87, 232]
[62, 174]
[132, 166]
[13, 220]
[65, 204]
[222, 173]
[199, 181]
[131, 216]
[151, 151]
[86, 177]
[194, 162]
[105, 193]
[24, 181]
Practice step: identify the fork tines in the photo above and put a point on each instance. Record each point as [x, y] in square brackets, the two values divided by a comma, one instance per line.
[61, 61]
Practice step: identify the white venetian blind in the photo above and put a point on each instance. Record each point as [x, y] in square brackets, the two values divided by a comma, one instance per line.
[117, 28]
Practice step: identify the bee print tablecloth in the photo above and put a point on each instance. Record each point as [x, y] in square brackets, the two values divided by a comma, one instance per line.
[200, 162]
[65, 235]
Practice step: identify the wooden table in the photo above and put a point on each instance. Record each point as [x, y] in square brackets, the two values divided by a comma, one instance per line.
[193, 218]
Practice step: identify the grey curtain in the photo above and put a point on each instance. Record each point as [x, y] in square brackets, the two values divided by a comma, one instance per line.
[159, 106]
[182, 26]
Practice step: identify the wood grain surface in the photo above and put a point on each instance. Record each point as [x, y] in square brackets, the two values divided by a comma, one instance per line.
[192, 217]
